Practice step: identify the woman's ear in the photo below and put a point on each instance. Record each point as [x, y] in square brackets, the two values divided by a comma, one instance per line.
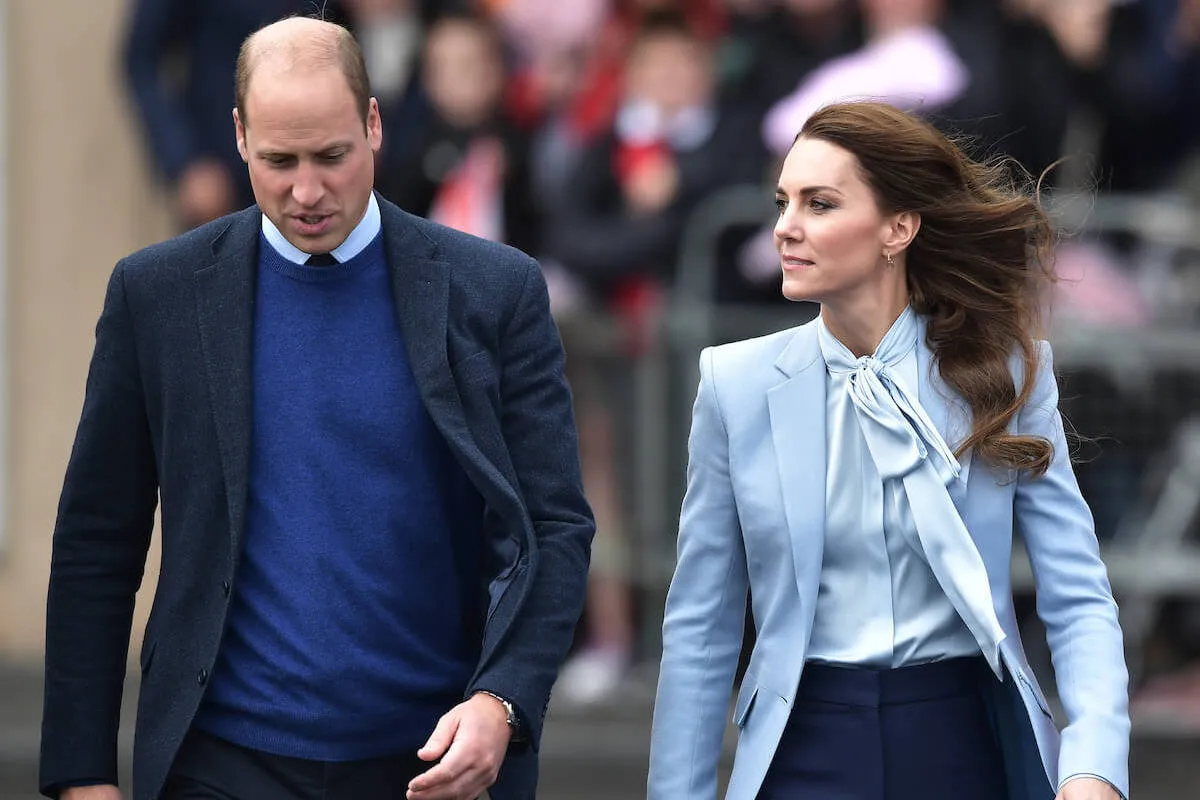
[902, 229]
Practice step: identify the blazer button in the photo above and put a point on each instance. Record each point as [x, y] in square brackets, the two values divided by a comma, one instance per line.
[225, 588]
[202, 676]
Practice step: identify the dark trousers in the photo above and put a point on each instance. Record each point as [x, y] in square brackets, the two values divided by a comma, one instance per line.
[914, 733]
[209, 768]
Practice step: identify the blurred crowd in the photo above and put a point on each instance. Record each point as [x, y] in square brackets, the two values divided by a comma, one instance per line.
[585, 132]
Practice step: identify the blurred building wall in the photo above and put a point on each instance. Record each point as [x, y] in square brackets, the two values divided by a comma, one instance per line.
[79, 197]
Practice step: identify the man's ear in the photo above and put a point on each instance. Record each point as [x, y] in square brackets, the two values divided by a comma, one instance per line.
[374, 126]
[239, 131]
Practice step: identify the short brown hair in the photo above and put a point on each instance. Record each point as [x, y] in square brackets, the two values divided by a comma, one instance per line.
[347, 54]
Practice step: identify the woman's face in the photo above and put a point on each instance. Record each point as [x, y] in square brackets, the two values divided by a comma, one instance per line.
[831, 233]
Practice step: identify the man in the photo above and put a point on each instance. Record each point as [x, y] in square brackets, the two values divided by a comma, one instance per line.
[375, 541]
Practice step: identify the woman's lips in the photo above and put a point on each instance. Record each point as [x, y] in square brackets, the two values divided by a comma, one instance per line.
[790, 262]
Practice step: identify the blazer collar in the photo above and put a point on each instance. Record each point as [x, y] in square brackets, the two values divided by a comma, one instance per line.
[235, 235]
[802, 352]
[225, 288]
[421, 290]
[797, 414]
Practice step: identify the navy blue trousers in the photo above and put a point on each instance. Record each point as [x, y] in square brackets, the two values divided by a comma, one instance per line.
[209, 768]
[914, 733]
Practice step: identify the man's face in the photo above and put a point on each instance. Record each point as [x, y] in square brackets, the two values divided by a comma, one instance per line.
[310, 158]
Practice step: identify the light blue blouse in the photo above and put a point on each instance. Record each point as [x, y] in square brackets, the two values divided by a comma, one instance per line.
[879, 603]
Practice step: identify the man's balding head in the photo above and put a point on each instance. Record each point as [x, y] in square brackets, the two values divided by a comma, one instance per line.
[302, 44]
[308, 130]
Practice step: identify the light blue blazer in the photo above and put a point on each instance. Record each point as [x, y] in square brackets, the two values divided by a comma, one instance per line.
[753, 518]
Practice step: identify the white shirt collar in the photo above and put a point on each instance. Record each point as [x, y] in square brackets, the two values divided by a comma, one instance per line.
[362, 235]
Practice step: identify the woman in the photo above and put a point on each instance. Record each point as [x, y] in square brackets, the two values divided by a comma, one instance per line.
[862, 477]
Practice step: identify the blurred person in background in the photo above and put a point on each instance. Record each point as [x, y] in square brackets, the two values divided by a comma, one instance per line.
[861, 479]
[920, 55]
[771, 48]
[617, 233]
[392, 33]
[1181, 31]
[374, 534]
[1095, 91]
[592, 37]
[467, 167]
[772, 45]
[1092, 80]
[177, 54]
[1170, 694]
[671, 143]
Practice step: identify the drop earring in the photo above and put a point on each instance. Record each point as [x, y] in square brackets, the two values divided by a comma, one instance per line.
[890, 262]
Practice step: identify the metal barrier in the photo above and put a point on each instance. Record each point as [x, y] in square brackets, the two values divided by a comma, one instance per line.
[1150, 558]
[1148, 561]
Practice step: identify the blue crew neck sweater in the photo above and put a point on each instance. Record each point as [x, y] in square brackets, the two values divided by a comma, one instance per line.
[354, 623]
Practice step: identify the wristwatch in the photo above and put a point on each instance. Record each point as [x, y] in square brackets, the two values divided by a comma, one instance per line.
[510, 711]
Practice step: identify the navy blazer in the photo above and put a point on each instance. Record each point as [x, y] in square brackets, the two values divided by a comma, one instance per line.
[166, 417]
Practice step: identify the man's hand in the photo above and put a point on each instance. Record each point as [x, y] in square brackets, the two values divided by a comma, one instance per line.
[471, 740]
[105, 792]
[1088, 789]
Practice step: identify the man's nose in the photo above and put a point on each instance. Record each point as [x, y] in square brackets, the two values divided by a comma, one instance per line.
[308, 188]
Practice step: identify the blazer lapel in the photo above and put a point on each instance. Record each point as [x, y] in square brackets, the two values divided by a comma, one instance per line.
[797, 409]
[949, 412]
[421, 290]
[225, 288]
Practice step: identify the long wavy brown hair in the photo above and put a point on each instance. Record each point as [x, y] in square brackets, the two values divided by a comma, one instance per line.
[976, 267]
